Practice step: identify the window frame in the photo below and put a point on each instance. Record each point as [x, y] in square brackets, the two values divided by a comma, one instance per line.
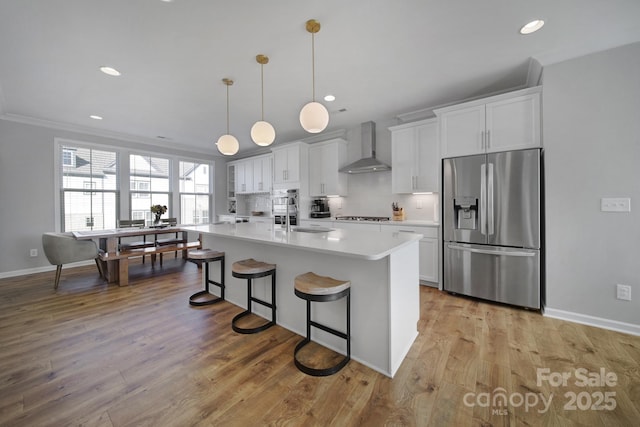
[123, 196]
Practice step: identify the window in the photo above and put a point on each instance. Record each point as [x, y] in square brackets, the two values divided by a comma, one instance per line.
[82, 169]
[195, 194]
[150, 184]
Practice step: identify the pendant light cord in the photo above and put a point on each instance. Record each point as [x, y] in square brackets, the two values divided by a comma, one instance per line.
[227, 109]
[262, 89]
[313, 68]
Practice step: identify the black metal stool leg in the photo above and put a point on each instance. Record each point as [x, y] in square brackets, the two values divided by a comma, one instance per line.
[322, 372]
[211, 299]
[248, 311]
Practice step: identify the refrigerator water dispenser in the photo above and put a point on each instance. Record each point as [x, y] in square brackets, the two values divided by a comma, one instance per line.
[466, 213]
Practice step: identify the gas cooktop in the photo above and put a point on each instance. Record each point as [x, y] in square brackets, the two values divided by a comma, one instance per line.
[363, 218]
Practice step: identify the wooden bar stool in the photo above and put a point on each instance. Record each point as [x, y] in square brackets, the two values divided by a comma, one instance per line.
[251, 269]
[206, 256]
[311, 287]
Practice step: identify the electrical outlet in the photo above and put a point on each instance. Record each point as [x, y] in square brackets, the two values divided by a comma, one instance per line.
[33, 252]
[615, 204]
[623, 292]
[419, 204]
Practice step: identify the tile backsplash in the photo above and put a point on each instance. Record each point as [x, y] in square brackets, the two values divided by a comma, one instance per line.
[370, 195]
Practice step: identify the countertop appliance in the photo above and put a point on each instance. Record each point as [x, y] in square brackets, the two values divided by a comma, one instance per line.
[491, 226]
[285, 207]
[363, 218]
[320, 208]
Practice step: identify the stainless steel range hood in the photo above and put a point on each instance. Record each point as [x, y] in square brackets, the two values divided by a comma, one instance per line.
[368, 163]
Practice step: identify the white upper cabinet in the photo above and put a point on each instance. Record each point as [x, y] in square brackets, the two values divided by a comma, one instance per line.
[287, 163]
[252, 175]
[504, 122]
[244, 176]
[415, 159]
[325, 159]
[262, 172]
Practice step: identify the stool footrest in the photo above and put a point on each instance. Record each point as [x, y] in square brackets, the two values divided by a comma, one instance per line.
[255, 330]
[328, 329]
[212, 299]
[316, 372]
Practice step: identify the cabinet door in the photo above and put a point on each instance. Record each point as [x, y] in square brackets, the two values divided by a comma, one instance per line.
[231, 181]
[286, 165]
[244, 176]
[513, 123]
[240, 183]
[279, 166]
[425, 155]
[462, 131]
[402, 165]
[293, 163]
[262, 175]
[316, 171]
[429, 260]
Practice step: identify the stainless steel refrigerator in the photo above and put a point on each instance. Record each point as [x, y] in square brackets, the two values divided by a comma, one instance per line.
[491, 226]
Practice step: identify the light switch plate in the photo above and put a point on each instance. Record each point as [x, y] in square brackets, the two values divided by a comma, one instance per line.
[615, 204]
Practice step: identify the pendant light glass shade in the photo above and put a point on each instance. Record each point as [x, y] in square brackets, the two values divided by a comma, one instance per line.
[262, 132]
[314, 116]
[228, 144]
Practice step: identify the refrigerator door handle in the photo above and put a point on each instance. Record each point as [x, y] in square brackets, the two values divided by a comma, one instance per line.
[490, 219]
[483, 198]
[490, 252]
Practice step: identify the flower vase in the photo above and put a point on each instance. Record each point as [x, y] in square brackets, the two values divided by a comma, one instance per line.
[156, 220]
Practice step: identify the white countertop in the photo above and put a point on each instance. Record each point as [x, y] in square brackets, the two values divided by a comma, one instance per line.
[360, 244]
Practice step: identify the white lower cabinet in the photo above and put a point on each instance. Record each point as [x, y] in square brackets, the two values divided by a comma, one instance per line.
[428, 250]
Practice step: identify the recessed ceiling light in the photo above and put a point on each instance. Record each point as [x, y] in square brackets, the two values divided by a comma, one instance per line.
[110, 71]
[329, 98]
[532, 26]
[94, 117]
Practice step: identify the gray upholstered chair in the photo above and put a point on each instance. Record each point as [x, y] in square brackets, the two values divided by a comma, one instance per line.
[63, 248]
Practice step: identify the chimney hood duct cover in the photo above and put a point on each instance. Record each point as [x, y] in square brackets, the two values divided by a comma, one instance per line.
[368, 163]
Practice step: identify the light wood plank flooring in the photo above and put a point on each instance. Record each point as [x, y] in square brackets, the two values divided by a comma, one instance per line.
[94, 354]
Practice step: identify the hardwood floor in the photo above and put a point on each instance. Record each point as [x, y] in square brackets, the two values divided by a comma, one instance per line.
[94, 354]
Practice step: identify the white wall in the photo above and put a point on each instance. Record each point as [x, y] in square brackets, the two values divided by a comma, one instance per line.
[27, 187]
[591, 129]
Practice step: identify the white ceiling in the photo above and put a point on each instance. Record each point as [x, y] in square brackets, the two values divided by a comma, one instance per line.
[380, 58]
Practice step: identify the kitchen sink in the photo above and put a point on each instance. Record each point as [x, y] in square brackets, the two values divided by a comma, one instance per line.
[312, 229]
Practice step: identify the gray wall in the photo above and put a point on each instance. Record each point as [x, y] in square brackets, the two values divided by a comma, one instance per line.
[591, 128]
[27, 187]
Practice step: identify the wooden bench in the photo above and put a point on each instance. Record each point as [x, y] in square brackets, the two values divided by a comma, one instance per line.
[122, 257]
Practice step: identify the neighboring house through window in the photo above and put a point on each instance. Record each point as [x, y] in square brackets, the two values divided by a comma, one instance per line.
[85, 168]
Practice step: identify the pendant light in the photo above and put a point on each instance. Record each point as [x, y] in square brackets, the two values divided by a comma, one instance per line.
[314, 117]
[262, 132]
[228, 144]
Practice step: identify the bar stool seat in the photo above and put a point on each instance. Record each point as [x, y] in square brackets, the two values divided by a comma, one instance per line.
[251, 269]
[312, 287]
[200, 256]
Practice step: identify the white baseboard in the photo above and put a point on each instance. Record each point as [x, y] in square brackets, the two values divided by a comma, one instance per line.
[46, 268]
[598, 322]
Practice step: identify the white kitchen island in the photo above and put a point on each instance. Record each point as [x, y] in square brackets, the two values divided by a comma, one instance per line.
[382, 268]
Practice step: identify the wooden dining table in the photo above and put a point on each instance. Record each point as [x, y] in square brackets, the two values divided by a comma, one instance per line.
[111, 258]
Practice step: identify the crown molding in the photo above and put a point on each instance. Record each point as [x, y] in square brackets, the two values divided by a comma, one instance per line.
[104, 133]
